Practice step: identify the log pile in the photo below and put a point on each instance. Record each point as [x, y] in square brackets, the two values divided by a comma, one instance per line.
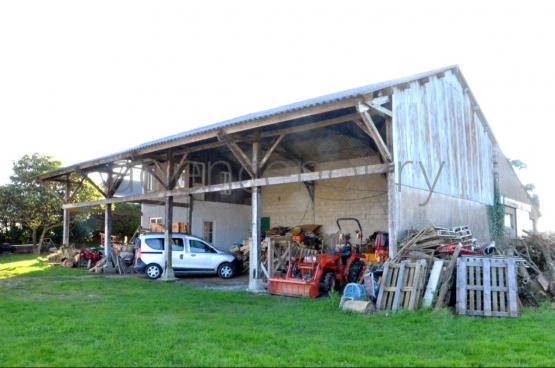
[537, 273]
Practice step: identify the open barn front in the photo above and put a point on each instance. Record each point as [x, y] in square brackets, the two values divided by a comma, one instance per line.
[348, 177]
[236, 183]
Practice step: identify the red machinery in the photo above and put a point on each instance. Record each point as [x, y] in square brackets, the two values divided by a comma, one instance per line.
[309, 276]
[90, 257]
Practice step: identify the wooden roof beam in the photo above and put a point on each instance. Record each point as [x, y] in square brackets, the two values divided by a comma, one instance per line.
[373, 132]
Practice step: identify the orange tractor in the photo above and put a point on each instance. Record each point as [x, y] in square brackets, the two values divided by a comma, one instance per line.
[312, 275]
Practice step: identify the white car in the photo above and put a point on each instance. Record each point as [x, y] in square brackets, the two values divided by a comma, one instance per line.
[190, 255]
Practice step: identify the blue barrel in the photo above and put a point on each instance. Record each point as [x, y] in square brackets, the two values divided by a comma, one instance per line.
[354, 291]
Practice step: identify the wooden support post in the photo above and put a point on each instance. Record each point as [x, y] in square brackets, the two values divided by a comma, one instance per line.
[392, 195]
[270, 258]
[168, 273]
[190, 214]
[107, 229]
[255, 274]
[66, 221]
[108, 219]
[392, 213]
[108, 266]
[311, 188]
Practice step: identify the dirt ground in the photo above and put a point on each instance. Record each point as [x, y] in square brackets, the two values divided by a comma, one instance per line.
[239, 283]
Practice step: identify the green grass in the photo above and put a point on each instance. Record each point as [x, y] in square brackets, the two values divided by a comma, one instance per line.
[51, 316]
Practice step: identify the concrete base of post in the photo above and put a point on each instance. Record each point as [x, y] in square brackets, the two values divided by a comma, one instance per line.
[168, 275]
[256, 286]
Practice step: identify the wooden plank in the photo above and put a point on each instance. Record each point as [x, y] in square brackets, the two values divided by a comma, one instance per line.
[461, 285]
[415, 281]
[385, 274]
[433, 282]
[502, 294]
[391, 290]
[398, 285]
[494, 294]
[486, 277]
[513, 288]
[446, 283]
[471, 270]
[479, 287]
[409, 286]
[259, 182]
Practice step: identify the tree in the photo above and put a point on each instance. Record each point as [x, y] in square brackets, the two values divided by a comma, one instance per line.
[530, 187]
[518, 164]
[10, 230]
[35, 206]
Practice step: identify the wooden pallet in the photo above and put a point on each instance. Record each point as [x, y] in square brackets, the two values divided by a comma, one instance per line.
[402, 285]
[487, 286]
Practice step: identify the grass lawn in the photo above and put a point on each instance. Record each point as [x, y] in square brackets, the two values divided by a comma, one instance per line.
[54, 316]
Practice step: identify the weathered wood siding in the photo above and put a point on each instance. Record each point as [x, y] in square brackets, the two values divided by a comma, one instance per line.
[435, 122]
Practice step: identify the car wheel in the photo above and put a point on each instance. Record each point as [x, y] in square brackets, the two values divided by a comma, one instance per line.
[153, 271]
[226, 271]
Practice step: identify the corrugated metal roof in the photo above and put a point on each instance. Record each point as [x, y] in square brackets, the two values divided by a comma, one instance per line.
[313, 102]
[297, 106]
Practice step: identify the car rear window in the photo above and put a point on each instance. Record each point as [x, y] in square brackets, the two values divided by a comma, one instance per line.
[158, 244]
[155, 243]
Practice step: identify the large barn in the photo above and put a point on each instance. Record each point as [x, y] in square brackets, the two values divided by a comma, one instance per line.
[396, 155]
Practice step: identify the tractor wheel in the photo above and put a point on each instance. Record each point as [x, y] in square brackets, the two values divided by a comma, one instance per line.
[329, 282]
[354, 271]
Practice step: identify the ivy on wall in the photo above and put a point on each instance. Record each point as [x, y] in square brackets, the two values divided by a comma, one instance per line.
[496, 217]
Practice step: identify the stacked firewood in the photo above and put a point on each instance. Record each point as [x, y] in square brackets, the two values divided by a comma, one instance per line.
[537, 273]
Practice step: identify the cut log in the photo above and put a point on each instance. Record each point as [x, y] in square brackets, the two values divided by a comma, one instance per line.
[358, 306]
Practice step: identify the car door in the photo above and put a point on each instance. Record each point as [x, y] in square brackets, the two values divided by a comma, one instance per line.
[178, 252]
[200, 256]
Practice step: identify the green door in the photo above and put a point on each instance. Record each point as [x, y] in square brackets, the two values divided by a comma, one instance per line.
[264, 224]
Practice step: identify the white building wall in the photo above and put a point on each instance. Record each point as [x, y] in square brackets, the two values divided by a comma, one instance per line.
[231, 221]
[522, 212]
[363, 197]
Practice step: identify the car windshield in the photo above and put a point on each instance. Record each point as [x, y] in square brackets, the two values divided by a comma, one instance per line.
[200, 246]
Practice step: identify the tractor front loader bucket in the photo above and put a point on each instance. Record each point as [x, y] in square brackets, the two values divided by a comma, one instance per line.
[293, 287]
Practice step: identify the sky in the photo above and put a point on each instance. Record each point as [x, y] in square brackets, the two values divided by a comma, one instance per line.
[82, 79]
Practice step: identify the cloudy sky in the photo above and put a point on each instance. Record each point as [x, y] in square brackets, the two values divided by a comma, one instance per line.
[80, 80]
